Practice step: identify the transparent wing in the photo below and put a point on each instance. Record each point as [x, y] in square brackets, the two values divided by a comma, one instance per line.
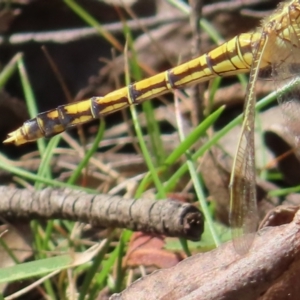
[243, 206]
[279, 48]
[285, 73]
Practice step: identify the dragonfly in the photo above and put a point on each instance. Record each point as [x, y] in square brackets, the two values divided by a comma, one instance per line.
[273, 49]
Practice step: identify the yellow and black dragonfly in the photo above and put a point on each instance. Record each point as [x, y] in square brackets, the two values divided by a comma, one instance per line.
[274, 47]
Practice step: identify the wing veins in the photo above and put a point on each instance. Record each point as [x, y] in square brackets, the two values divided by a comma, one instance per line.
[243, 207]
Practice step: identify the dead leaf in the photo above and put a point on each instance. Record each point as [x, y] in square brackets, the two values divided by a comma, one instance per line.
[148, 250]
[17, 238]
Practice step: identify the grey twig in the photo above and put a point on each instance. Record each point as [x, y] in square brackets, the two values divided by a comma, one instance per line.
[167, 217]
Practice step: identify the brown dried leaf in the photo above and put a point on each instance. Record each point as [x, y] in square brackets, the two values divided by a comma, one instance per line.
[17, 238]
[147, 250]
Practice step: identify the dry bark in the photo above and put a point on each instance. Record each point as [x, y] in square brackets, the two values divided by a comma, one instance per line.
[270, 270]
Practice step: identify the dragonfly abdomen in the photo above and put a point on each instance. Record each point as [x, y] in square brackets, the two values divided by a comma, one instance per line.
[230, 58]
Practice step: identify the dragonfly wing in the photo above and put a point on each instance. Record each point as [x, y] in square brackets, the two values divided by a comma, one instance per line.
[279, 48]
[243, 206]
[243, 216]
[285, 73]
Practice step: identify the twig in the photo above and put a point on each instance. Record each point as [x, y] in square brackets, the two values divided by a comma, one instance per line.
[167, 217]
[198, 90]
